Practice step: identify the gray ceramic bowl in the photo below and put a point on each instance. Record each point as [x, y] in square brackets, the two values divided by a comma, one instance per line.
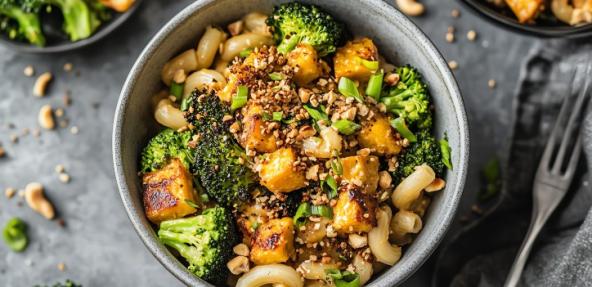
[398, 39]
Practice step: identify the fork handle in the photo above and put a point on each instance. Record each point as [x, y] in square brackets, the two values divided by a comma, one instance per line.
[541, 211]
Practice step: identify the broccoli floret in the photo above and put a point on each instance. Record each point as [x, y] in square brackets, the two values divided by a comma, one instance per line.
[21, 22]
[164, 146]
[205, 241]
[293, 23]
[425, 151]
[409, 99]
[220, 163]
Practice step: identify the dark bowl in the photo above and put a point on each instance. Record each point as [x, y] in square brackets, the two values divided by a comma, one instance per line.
[397, 38]
[58, 42]
[547, 27]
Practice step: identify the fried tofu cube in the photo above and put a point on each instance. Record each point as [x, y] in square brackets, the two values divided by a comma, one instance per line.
[166, 192]
[305, 57]
[253, 135]
[378, 134]
[354, 211]
[278, 172]
[525, 10]
[361, 170]
[349, 59]
[273, 242]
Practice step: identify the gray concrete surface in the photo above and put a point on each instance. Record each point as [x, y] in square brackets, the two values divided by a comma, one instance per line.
[98, 244]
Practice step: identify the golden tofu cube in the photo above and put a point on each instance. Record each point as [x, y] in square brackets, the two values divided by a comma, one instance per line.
[166, 192]
[278, 173]
[253, 135]
[349, 60]
[378, 134]
[354, 211]
[361, 170]
[305, 58]
[273, 242]
[525, 10]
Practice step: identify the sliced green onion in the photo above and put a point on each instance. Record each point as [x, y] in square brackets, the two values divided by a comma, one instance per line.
[337, 167]
[277, 116]
[191, 203]
[276, 88]
[315, 114]
[306, 209]
[185, 104]
[343, 278]
[276, 76]
[177, 90]
[346, 127]
[240, 99]
[370, 65]
[375, 85]
[254, 225]
[289, 45]
[348, 88]
[15, 234]
[246, 52]
[266, 117]
[330, 181]
[401, 127]
[446, 150]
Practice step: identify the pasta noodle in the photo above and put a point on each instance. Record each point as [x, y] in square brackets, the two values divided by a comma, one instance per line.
[363, 268]
[187, 61]
[239, 43]
[169, 116]
[315, 270]
[270, 274]
[255, 22]
[410, 188]
[378, 239]
[203, 79]
[208, 46]
[404, 222]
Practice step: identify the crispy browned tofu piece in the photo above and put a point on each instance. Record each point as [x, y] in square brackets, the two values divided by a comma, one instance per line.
[273, 242]
[354, 211]
[348, 60]
[361, 170]
[305, 58]
[377, 134]
[525, 10]
[253, 135]
[166, 192]
[278, 173]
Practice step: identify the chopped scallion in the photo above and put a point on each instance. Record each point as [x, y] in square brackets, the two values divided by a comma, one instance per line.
[246, 52]
[276, 76]
[374, 88]
[277, 116]
[15, 234]
[370, 65]
[306, 209]
[240, 99]
[177, 90]
[446, 150]
[348, 88]
[401, 127]
[330, 181]
[316, 114]
[346, 127]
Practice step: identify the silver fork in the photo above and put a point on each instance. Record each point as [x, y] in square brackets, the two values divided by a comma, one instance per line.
[555, 172]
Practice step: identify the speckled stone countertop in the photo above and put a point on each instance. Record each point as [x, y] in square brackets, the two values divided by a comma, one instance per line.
[97, 244]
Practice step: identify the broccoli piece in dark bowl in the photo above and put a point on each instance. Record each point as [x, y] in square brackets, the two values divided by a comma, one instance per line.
[21, 21]
[164, 146]
[426, 150]
[205, 241]
[409, 99]
[294, 23]
[220, 162]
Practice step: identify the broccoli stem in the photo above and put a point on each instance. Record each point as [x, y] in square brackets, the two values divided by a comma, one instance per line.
[79, 21]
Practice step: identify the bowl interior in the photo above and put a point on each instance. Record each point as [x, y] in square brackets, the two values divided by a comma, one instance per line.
[398, 40]
[546, 26]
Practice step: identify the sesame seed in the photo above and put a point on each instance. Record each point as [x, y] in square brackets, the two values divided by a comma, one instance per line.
[59, 168]
[29, 71]
[491, 83]
[64, 177]
[455, 13]
[68, 67]
[471, 35]
[453, 65]
[74, 130]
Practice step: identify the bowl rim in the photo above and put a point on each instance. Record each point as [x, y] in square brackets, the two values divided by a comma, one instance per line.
[491, 15]
[101, 33]
[395, 275]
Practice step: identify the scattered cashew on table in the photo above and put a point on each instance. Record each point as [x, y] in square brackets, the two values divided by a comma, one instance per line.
[410, 7]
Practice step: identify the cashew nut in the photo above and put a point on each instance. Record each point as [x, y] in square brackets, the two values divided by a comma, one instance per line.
[45, 118]
[37, 200]
[410, 7]
[238, 265]
[436, 185]
[241, 249]
[562, 10]
[41, 84]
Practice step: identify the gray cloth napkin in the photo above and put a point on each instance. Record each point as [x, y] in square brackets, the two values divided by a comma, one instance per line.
[482, 253]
